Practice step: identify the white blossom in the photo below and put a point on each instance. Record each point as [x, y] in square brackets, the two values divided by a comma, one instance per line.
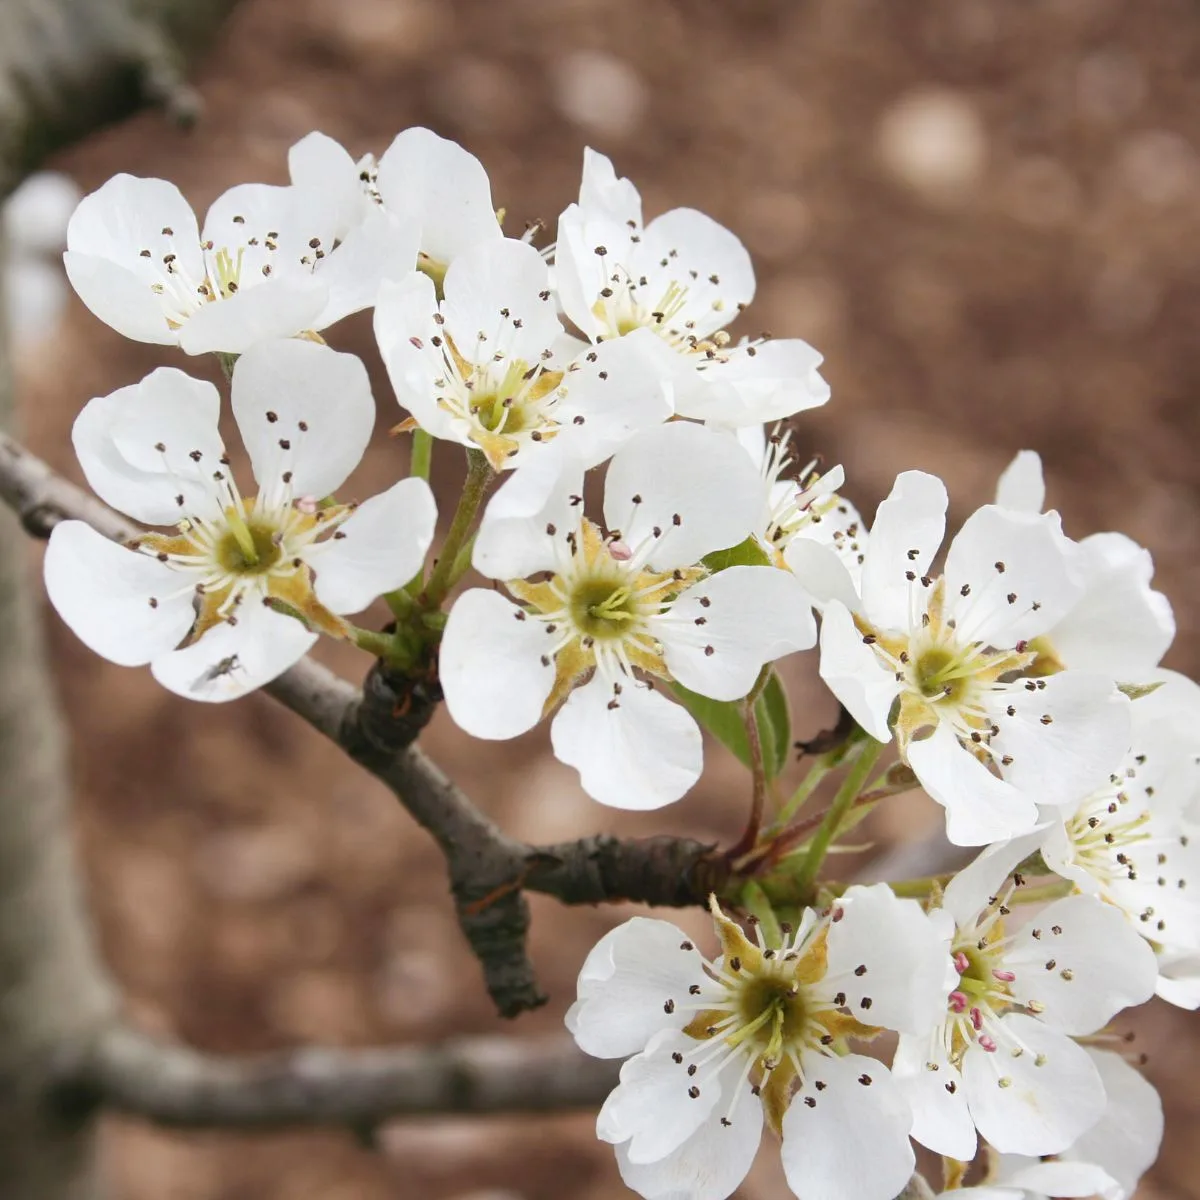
[1119, 625]
[424, 178]
[1107, 1161]
[240, 589]
[760, 1033]
[482, 366]
[1003, 1060]
[629, 600]
[935, 658]
[684, 278]
[269, 263]
[802, 503]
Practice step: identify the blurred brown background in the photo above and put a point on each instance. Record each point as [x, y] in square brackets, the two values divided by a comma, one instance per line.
[984, 214]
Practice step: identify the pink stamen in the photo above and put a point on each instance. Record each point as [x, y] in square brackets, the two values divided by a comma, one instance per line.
[1004, 976]
[961, 963]
[307, 504]
[620, 551]
[976, 1018]
[958, 1002]
[987, 1042]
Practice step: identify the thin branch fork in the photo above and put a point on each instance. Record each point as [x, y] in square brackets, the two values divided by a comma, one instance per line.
[489, 871]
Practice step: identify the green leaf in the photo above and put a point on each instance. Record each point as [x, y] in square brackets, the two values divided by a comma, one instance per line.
[774, 726]
[745, 554]
[723, 719]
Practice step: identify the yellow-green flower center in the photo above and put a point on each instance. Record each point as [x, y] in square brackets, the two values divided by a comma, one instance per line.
[603, 608]
[248, 548]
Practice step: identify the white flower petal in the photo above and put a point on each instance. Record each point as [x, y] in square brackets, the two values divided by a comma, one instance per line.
[633, 750]
[971, 890]
[822, 572]
[230, 660]
[626, 980]
[383, 245]
[854, 674]
[851, 1141]
[276, 308]
[305, 411]
[1081, 961]
[776, 380]
[1121, 626]
[889, 961]
[650, 1108]
[1021, 486]
[320, 164]
[380, 548]
[117, 439]
[446, 188]
[1125, 1141]
[721, 631]
[979, 807]
[694, 486]
[119, 298]
[1061, 1179]
[713, 1161]
[603, 194]
[1008, 576]
[514, 539]
[494, 666]
[405, 329]
[702, 256]
[498, 301]
[117, 224]
[606, 397]
[1053, 1092]
[1065, 736]
[1179, 980]
[579, 272]
[104, 591]
[908, 529]
[933, 1086]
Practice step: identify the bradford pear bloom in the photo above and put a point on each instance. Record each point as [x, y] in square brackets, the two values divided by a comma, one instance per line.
[425, 178]
[270, 263]
[684, 278]
[1129, 842]
[802, 503]
[481, 367]
[1107, 1161]
[761, 1032]
[1120, 624]
[1002, 1059]
[948, 660]
[240, 589]
[628, 600]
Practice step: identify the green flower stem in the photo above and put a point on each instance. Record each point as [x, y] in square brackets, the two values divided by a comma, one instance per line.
[401, 603]
[442, 579]
[422, 454]
[381, 645]
[920, 889]
[754, 739]
[838, 810]
[1042, 892]
[822, 765]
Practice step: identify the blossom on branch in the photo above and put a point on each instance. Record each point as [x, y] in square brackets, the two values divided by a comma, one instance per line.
[1002, 1058]
[243, 585]
[950, 662]
[489, 366]
[629, 600]
[684, 278]
[271, 263]
[761, 1032]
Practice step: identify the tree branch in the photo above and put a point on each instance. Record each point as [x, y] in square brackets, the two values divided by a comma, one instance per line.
[68, 67]
[173, 1085]
[489, 871]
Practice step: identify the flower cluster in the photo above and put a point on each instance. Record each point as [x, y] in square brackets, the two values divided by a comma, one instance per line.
[1016, 675]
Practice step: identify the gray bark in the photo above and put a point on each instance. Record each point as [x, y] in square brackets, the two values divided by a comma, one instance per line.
[52, 988]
